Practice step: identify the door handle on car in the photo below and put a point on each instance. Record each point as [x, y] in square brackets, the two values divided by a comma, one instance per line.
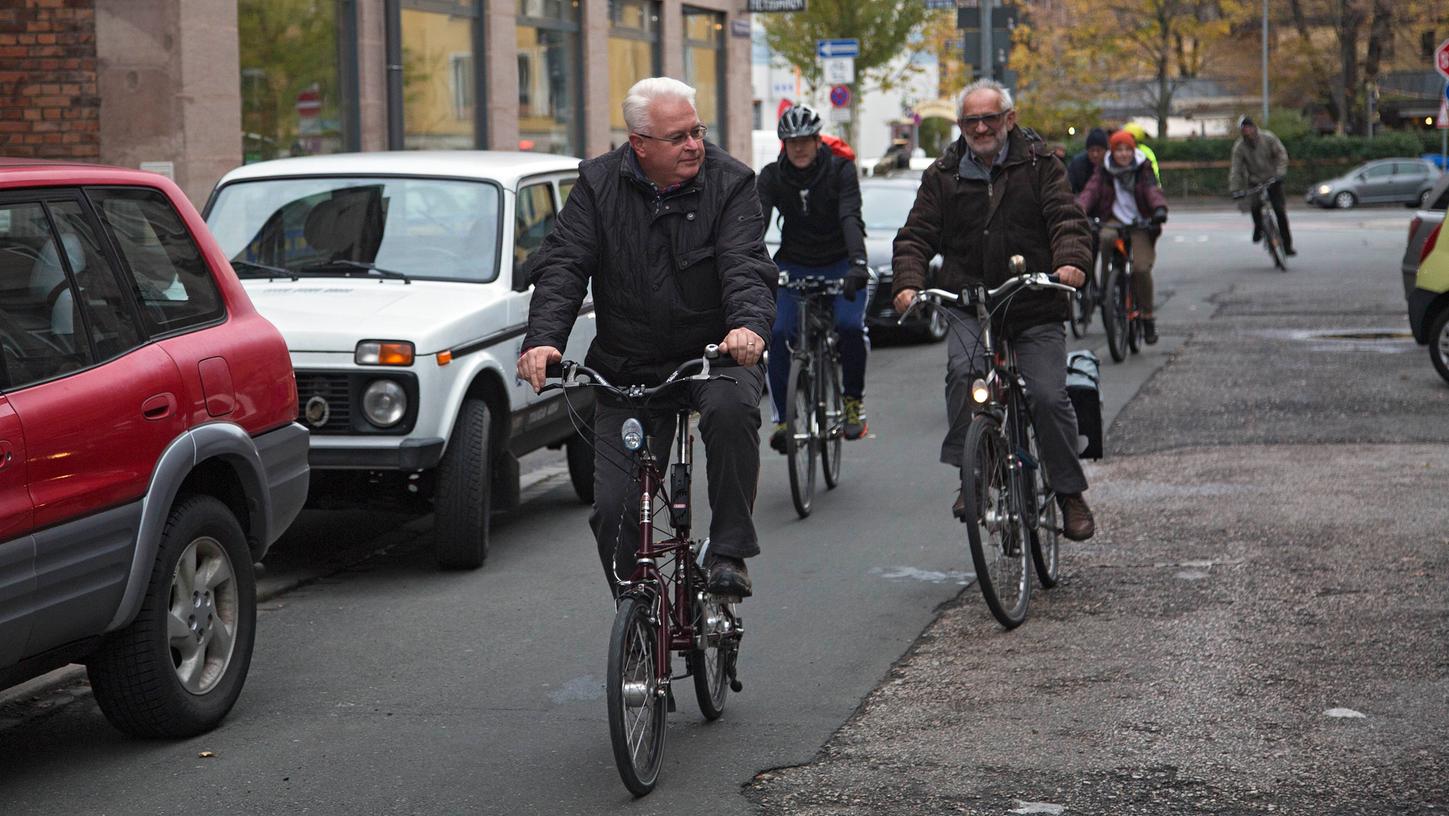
[6, 454]
[157, 407]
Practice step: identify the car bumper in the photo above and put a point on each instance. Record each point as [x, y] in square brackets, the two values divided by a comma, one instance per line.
[384, 454]
[284, 457]
[1419, 302]
[1321, 200]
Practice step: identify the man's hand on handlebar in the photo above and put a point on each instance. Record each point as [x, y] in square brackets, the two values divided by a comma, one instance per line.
[904, 299]
[1071, 276]
[744, 345]
[533, 363]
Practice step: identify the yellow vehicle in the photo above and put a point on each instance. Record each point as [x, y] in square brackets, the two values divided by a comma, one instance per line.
[1429, 301]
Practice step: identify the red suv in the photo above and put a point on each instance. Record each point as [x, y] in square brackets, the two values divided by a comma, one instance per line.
[149, 452]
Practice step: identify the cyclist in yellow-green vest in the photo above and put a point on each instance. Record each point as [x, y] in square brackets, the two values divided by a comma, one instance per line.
[1139, 135]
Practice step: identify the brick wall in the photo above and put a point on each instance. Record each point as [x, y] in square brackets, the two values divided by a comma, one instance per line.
[49, 104]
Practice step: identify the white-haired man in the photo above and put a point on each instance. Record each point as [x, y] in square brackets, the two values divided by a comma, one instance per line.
[997, 192]
[668, 227]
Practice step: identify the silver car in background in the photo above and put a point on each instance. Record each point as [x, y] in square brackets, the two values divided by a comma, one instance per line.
[1382, 181]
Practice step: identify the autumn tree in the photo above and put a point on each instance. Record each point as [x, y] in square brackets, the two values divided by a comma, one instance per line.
[886, 29]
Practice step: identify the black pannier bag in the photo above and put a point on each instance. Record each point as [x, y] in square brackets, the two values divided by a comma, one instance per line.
[1084, 388]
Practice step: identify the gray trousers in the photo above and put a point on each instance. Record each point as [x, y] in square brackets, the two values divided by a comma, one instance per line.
[1041, 356]
[729, 422]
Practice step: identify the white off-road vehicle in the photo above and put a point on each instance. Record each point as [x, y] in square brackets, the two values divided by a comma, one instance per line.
[396, 280]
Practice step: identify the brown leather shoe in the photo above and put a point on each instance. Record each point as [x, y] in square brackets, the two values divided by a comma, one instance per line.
[959, 508]
[1077, 523]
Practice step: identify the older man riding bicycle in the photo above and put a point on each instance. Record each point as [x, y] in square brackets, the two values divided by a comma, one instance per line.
[996, 193]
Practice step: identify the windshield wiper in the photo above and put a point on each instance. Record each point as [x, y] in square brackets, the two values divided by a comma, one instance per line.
[322, 266]
[261, 270]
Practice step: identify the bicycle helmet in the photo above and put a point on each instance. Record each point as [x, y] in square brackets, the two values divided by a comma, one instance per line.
[1136, 130]
[798, 121]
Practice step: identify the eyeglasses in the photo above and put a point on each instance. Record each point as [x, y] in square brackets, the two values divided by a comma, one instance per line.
[677, 140]
[991, 120]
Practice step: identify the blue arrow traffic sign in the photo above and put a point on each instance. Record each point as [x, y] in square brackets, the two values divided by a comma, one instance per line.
[837, 48]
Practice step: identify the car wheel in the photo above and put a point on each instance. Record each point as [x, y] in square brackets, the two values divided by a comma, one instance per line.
[1344, 200]
[580, 454]
[1439, 343]
[178, 668]
[462, 498]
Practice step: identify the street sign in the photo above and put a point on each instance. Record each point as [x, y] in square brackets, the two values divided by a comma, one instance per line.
[839, 70]
[837, 48]
[766, 6]
[840, 114]
[1442, 122]
[1441, 59]
[839, 96]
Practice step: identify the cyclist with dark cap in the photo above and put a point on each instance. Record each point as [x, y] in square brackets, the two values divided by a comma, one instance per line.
[1257, 157]
[1080, 168]
[818, 196]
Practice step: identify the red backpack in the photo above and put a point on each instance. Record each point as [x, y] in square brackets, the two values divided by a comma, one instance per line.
[838, 146]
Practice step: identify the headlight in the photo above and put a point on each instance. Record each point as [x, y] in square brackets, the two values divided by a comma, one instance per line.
[979, 392]
[384, 403]
[633, 434]
[384, 353]
[1324, 189]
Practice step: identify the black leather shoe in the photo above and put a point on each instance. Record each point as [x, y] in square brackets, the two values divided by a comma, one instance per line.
[728, 576]
[1257, 235]
[1149, 331]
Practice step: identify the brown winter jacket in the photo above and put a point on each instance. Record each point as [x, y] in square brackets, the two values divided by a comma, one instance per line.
[1026, 208]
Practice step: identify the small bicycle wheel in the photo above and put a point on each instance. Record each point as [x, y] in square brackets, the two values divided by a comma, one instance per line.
[1040, 503]
[709, 666]
[800, 444]
[637, 708]
[830, 418]
[1114, 311]
[993, 523]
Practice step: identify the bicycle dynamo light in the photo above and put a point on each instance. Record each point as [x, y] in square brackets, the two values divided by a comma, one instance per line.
[979, 392]
[633, 434]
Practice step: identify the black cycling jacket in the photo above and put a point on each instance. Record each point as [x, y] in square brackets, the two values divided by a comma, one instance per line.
[671, 273]
[821, 209]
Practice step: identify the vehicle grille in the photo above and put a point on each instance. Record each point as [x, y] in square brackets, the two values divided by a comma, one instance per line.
[324, 402]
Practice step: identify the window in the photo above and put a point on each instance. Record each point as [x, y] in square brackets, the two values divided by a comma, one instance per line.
[434, 229]
[565, 187]
[1381, 171]
[291, 79]
[704, 66]
[534, 219]
[1410, 169]
[37, 321]
[440, 109]
[168, 273]
[633, 55]
[549, 102]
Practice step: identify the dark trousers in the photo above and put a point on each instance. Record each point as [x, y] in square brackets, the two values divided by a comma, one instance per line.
[1275, 197]
[849, 324]
[729, 422]
[1041, 355]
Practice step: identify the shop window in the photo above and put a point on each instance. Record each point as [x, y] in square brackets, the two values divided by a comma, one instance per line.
[704, 66]
[292, 89]
[549, 101]
[440, 106]
[633, 55]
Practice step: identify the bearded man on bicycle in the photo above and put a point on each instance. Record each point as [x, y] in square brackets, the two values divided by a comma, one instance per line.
[1258, 156]
[996, 193]
[1123, 194]
[668, 228]
[818, 196]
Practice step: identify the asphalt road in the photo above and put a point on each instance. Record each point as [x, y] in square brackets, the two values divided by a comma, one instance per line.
[875, 681]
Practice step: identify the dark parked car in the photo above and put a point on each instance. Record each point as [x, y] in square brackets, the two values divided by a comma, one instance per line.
[149, 453]
[885, 203]
[1382, 181]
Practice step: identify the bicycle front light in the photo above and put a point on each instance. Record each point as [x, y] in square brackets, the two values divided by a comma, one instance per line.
[979, 392]
[633, 434]
[384, 403]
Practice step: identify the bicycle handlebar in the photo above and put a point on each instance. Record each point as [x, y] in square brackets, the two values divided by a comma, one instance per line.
[1038, 280]
[1257, 188]
[568, 373]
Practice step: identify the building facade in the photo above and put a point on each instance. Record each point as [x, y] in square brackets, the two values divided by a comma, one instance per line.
[193, 88]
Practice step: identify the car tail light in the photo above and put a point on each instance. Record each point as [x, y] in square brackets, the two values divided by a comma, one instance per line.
[1429, 242]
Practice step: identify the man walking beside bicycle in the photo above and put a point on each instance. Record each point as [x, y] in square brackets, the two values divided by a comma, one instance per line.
[996, 193]
[818, 196]
[1258, 157]
[1123, 194]
[668, 228]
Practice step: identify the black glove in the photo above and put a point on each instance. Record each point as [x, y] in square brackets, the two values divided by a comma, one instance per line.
[1159, 215]
[855, 280]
